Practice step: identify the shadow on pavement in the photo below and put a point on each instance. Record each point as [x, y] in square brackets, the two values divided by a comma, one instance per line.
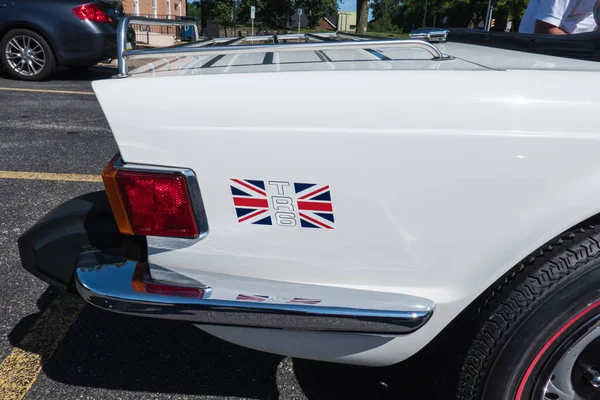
[87, 74]
[411, 380]
[19, 332]
[68, 74]
[112, 351]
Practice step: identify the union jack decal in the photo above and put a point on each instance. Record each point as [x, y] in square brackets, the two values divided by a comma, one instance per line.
[300, 300]
[282, 203]
[251, 297]
[314, 205]
[257, 298]
[250, 200]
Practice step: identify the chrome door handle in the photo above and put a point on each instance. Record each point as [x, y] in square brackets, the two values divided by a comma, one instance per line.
[3, 5]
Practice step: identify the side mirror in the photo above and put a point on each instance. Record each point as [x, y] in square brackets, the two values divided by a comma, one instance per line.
[597, 12]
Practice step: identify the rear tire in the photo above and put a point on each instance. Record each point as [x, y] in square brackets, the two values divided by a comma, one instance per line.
[26, 55]
[532, 324]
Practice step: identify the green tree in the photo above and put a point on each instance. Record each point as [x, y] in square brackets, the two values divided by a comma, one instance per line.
[314, 10]
[221, 12]
[193, 9]
[457, 11]
[460, 13]
[383, 24]
[273, 13]
[381, 8]
[385, 15]
[513, 9]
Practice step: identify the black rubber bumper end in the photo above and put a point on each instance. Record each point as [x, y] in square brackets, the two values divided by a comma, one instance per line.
[50, 248]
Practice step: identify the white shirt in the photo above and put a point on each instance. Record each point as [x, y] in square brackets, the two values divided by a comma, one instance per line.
[572, 16]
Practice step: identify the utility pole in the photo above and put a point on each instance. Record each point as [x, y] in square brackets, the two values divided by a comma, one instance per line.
[488, 16]
[252, 16]
[234, 17]
[203, 19]
[425, 13]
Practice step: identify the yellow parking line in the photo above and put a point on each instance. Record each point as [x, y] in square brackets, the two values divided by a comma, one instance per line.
[48, 176]
[45, 91]
[20, 369]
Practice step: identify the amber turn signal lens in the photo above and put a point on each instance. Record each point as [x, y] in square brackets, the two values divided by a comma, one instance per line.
[109, 176]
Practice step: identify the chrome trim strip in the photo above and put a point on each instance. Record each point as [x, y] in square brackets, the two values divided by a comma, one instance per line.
[122, 35]
[289, 36]
[440, 35]
[109, 286]
[351, 37]
[195, 197]
[286, 47]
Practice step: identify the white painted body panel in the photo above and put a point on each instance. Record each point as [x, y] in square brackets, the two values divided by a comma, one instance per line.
[441, 181]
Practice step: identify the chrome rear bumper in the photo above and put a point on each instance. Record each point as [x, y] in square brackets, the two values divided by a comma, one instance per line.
[115, 284]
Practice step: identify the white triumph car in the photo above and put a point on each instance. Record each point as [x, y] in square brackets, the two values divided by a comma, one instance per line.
[365, 198]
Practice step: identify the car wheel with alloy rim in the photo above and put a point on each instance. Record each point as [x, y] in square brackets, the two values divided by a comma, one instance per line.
[26, 55]
[537, 336]
[572, 373]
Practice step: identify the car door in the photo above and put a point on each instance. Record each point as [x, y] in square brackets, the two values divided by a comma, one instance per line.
[5, 7]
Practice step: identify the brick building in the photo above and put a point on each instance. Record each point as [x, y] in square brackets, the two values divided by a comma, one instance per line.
[327, 23]
[155, 8]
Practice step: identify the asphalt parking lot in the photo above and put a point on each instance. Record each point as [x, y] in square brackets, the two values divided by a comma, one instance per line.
[54, 141]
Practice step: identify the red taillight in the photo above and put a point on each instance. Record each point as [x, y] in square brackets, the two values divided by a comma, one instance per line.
[157, 204]
[91, 12]
[150, 203]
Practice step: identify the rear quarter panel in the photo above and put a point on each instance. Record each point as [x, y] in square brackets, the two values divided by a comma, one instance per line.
[441, 181]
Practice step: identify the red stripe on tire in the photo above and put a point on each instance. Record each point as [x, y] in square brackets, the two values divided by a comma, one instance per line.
[549, 343]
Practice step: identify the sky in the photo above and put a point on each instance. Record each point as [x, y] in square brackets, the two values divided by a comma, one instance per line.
[348, 5]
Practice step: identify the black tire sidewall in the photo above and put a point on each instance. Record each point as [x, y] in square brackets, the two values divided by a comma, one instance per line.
[49, 66]
[565, 301]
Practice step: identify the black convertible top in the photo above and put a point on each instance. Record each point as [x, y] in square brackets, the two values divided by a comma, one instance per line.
[583, 46]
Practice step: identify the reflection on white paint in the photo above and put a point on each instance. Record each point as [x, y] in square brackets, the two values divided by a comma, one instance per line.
[522, 101]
